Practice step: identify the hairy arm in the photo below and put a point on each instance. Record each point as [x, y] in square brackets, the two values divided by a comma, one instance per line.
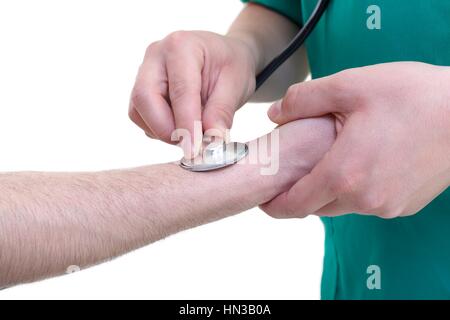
[49, 221]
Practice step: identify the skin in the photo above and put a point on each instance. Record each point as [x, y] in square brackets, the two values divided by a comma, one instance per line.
[392, 154]
[50, 221]
[391, 157]
[203, 76]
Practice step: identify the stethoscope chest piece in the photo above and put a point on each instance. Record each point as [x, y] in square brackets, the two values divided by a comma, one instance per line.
[215, 156]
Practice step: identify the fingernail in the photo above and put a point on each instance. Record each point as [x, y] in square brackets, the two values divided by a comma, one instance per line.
[219, 129]
[196, 147]
[186, 146]
[274, 110]
[221, 126]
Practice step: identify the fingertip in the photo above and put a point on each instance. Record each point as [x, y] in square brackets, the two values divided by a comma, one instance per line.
[216, 126]
[276, 208]
[137, 119]
[284, 206]
[150, 135]
[221, 126]
[185, 145]
[274, 111]
[164, 132]
[190, 145]
[216, 131]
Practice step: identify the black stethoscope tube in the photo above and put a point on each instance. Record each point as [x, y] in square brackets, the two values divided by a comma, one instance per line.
[295, 44]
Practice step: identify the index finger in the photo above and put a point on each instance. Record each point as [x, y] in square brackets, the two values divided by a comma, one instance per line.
[184, 78]
[149, 108]
[313, 98]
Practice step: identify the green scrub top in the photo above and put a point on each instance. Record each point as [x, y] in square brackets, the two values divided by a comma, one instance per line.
[368, 257]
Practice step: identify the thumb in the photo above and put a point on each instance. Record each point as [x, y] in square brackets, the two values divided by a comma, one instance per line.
[314, 98]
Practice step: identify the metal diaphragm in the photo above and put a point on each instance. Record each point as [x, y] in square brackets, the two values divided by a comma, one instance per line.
[215, 156]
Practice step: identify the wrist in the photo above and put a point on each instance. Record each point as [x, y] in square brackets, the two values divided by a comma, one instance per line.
[446, 113]
[252, 46]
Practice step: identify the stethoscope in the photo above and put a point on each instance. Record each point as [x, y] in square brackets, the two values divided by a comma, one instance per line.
[217, 154]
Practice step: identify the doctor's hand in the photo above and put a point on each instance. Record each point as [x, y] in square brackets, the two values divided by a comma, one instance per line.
[192, 76]
[392, 152]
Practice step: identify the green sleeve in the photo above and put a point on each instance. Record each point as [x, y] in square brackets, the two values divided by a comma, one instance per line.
[289, 8]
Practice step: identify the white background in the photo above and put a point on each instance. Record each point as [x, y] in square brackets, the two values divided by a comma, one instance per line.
[66, 71]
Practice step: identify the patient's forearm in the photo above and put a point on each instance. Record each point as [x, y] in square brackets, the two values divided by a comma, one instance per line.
[50, 221]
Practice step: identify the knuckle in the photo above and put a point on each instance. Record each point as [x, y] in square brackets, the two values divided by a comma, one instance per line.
[223, 110]
[138, 97]
[286, 213]
[290, 100]
[274, 214]
[179, 89]
[132, 115]
[178, 39]
[292, 90]
[340, 82]
[284, 209]
[387, 215]
[344, 82]
[164, 133]
[150, 135]
[270, 211]
[370, 202]
[408, 212]
[348, 77]
[151, 49]
[389, 212]
[290, 212]
[345, 86]
[344, 182]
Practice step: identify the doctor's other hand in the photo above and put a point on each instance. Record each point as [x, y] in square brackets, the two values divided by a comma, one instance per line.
[192, 76]
[392, 152]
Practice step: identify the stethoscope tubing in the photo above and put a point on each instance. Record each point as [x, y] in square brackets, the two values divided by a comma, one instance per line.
[294, 45]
